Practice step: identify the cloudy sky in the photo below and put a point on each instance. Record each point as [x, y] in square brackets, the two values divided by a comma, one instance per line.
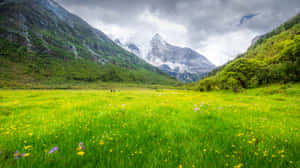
[218, 29]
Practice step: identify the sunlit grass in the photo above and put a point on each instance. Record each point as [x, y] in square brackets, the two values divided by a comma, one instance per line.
[149, 128]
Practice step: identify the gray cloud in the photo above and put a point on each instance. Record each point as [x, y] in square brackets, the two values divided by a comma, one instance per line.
[198, 24]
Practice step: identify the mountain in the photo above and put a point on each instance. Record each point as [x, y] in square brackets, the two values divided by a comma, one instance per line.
[129, 47]
[274, 57]
[42, 42]
[183, 63]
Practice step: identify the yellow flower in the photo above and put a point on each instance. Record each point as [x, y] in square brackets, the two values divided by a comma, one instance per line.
[30, 134]
[291, 162]
[110, 150]
[27, 147]
[180, 166]
[80, 153]
[204, 150]
[250, 142]
[26, 154]
[238, 166]
[101, 143]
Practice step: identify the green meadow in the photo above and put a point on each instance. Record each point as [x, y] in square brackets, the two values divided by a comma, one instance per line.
[148, 128]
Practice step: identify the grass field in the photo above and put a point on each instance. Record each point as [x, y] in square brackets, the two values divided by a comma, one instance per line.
[150, 128]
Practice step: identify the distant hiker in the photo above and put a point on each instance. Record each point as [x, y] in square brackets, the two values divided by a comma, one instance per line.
[119, 90]
[110, 90]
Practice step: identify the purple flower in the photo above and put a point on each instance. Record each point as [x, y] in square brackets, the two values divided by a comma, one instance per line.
[53, 149]
[80, 145]
[17, 155]
[196, 109]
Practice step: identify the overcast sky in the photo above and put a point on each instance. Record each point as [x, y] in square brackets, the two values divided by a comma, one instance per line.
[218, 29]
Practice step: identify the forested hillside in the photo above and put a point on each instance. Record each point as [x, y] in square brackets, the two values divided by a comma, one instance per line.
[273, 58]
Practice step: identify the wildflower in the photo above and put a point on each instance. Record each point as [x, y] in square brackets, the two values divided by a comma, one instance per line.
[80, 146]
[81, 153]
[27, 147]
[291, 162]
[17, 154]
[30, 134]
[110, 150]
[101, 143]
[196, 109]
[180, 166]
[238, 166]
[25, 154]
[204, 150]
[53, 149]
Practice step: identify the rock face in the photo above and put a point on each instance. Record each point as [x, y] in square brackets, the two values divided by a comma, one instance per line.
[183, 63]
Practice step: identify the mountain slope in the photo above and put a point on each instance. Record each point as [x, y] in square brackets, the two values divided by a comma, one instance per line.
[42, 41]
[129, 47]
[275, 57]
[183, 63]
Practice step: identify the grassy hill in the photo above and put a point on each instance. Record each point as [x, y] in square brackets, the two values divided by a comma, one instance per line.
[273, 58]
[40, 42]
